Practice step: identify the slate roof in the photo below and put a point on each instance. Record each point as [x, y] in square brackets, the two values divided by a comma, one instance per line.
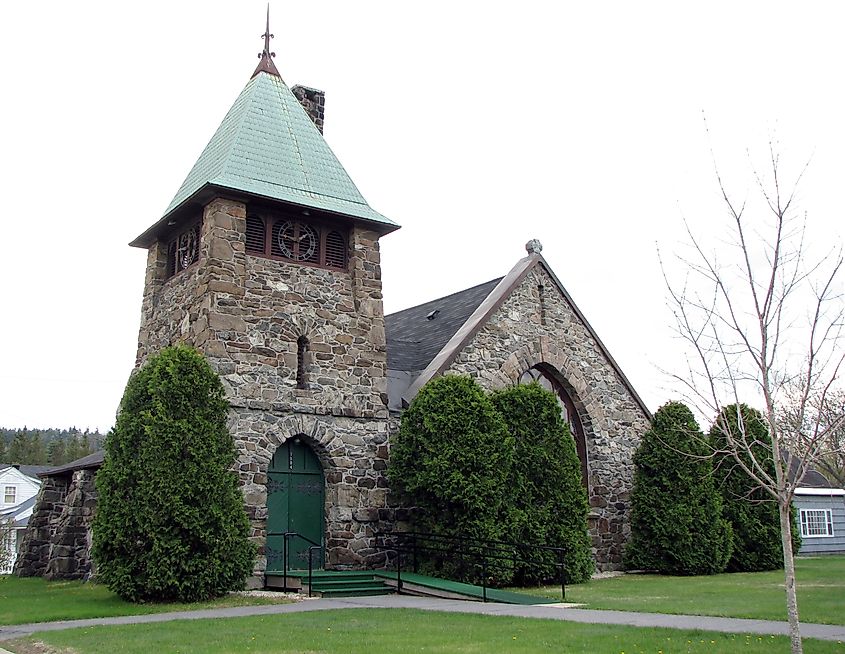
[413, 339]
[411, 343]
[268, 147]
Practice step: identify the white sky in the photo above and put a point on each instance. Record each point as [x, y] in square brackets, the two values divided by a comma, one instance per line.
[474, 125]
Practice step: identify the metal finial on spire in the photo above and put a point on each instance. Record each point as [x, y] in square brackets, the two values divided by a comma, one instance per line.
[267, 36]
[266, 64]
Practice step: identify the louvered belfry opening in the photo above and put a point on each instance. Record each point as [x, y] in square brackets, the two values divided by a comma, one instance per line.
[294, 238]
[255, 234]
[335, 250]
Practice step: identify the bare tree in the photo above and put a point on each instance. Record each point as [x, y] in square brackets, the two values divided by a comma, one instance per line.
[763, 320]
[830, 459]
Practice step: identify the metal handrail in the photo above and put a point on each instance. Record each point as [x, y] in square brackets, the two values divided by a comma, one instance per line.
[313, 546]
[478, 550]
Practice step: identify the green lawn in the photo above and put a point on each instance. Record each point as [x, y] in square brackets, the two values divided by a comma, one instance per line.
[821, 593]
[35, 600]
[377, 631]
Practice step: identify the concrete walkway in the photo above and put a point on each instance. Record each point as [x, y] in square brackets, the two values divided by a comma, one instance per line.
[547, 611]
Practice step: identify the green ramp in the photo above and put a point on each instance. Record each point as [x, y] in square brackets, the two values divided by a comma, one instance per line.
[416, 584]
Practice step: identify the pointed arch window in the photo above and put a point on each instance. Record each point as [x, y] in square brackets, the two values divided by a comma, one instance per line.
[567, 410]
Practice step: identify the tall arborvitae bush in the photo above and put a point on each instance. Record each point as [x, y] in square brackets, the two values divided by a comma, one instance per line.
[676, 524]
[170, 521]
[549, 498]
[451, 459]
[752, 512]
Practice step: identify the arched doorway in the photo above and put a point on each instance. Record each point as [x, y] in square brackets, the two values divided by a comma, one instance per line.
[295, 504]
[567, 410]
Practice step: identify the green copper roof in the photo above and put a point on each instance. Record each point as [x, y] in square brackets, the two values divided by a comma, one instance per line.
[268, 146]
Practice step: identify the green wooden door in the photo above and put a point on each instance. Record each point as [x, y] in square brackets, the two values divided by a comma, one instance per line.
[295, 503]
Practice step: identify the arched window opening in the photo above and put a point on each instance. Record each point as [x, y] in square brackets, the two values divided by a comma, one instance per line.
[301, 350]
[567, 411]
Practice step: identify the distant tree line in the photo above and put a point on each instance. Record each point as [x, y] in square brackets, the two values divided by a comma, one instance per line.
[47, 446]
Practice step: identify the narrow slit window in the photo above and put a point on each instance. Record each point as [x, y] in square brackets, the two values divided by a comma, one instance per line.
[541, 291]
[301, 350]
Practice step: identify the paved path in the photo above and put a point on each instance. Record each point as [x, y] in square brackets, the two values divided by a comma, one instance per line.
[549, 611]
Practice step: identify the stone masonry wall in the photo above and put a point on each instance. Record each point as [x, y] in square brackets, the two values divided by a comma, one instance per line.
[35, 547]
[516, 339]
[70, 551]
[246, 313]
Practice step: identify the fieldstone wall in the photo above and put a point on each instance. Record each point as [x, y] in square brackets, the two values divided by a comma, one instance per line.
[536, 325]
[70, 552]
[353, 453]
[35, 549]
[245, 313]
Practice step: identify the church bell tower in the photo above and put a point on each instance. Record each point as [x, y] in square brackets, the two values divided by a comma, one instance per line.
[267, 262]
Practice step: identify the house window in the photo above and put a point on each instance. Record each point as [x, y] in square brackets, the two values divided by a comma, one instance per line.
[816, 522]
[290, 238]
[10, 494]
[183, 250]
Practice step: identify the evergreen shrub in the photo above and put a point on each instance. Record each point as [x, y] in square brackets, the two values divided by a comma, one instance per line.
[451, 458]
[677, 526]
[170, 521]
[549, 498]
[752, 512]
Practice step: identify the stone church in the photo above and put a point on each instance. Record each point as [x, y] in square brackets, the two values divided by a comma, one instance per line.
[267, 261]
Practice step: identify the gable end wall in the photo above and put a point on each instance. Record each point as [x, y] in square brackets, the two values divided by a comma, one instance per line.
[515, 339]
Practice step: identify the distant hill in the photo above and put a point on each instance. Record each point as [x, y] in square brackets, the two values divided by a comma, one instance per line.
[47, 446]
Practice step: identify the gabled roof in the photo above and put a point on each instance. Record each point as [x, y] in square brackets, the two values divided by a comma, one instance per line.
[416, 335]
[30, 471]
[268, 147]
[498, 292]
[94, 460]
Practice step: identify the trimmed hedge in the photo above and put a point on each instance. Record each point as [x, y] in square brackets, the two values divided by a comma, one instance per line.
[170, 521]
[500, 467]
[752, 512]
[549, 498]
[677, 526]
[452, 457]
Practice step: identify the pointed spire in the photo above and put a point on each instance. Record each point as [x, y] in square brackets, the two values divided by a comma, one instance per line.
[266, 64]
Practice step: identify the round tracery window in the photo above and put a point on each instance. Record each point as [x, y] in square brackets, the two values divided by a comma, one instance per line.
[187, 249]
[298, 241]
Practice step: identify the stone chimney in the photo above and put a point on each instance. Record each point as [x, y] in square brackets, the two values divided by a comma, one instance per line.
[314, 103]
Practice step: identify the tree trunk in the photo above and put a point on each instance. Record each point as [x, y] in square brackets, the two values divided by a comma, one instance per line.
[784, 507]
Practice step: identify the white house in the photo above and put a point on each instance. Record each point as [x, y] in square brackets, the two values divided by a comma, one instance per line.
[18, 487]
